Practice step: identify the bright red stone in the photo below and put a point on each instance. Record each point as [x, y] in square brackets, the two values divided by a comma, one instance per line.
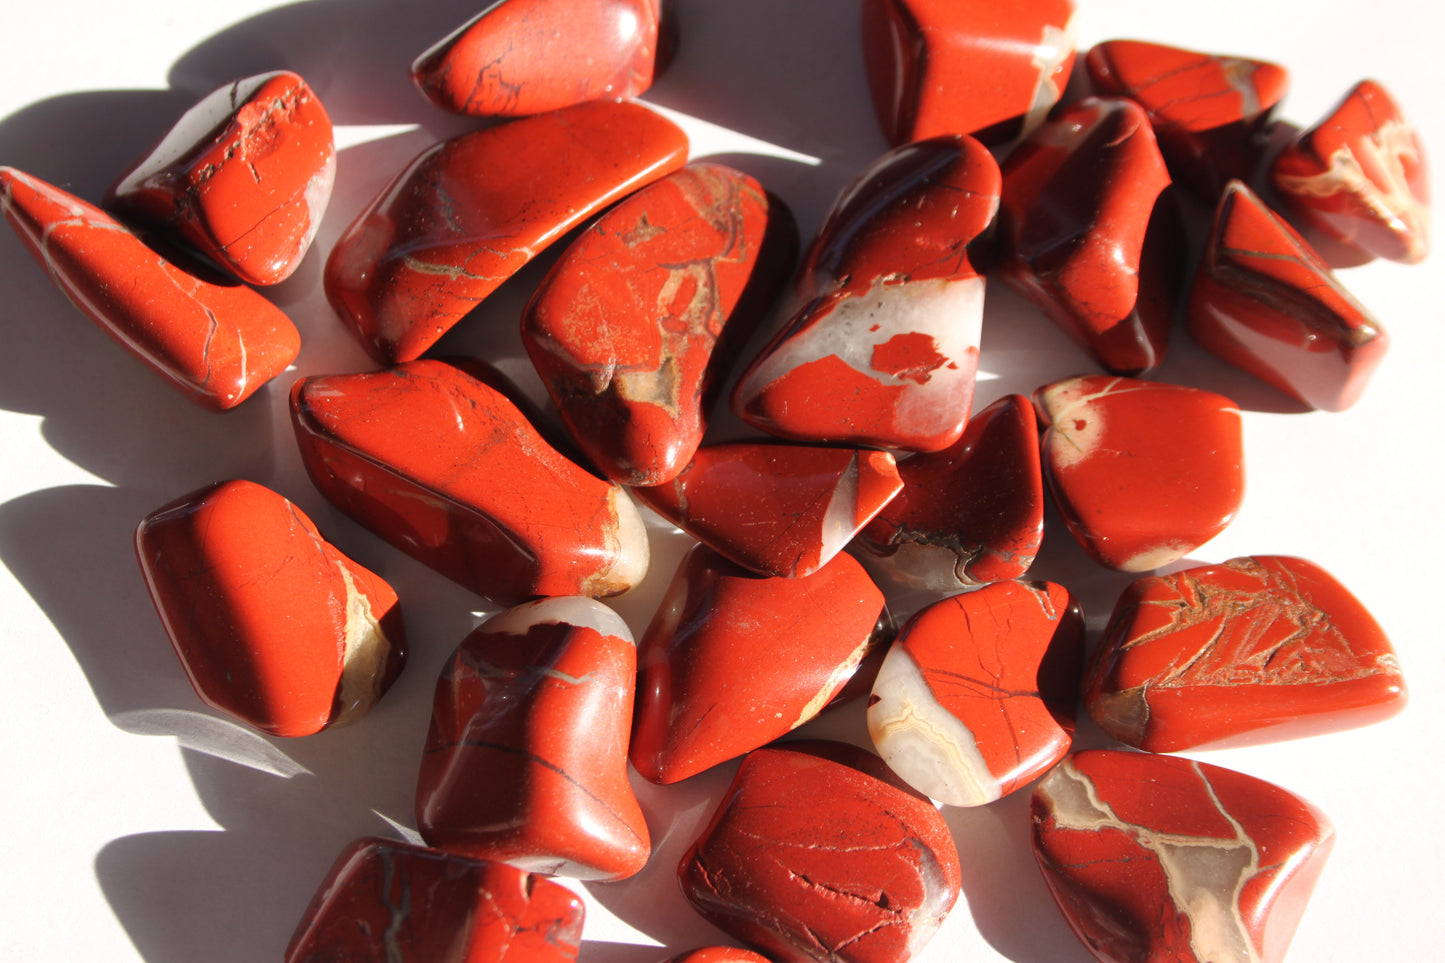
[1360, 175]
[776, 509]
[969, 514]
[389, 901]
[442, 465]
[818, 853]
[1089, 231]
[215, 343]
[885, 348]
[1142, 472]
[1255, 650]
[1161, 858]
[471, 211]
[635, 325]
[944, 67]
[244, 176]
[1266, 302]
[719, 954]
[733, 660]
[272, 624]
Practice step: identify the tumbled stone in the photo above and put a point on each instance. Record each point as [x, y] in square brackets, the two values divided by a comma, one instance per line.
[718, 954]
[637, 323]
[1160, 858]
[215, 343]
[273, 625]
[439, 463]
[469, 212]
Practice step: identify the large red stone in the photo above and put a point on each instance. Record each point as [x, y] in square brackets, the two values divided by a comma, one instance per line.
[244, 176]
[272, 624]
[1258, 649]
[1089, 231]
[215, 343]
[526, 757]
[471, 211]
[1266, 302]
[817, 852]
[1160, 858]
[734, 660]
[637, 323]
[431, 458]
[944, 67]
[389, 902]
[884, 350]
[1143, 473]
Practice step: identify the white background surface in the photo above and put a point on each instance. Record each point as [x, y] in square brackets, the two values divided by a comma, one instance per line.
[137, 825]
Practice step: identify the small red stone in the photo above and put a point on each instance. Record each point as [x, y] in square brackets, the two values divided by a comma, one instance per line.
[1161, 858]
[1255, 650]
[272, 624]
[215, 343]
[244, 176]
[392, 902]
[471, 211]
[1264, 301]
[719, 954]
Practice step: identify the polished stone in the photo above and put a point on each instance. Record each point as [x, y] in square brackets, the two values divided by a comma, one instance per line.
[718, 954]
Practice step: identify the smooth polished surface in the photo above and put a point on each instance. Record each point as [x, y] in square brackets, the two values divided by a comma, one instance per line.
[719, 954]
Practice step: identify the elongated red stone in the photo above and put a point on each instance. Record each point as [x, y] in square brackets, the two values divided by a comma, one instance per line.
[1090, 232]
[818, 853]
[976, 695]
[988, 69]
[272, 624]
[884, 350]
[385, 900]
[776, 509]
[244, 176]
[1160, 858]
[1142, 472]
[443, 466]
[634, 325]
[734, 660]
[970, 514]
[531, 56]
[1255, 650]
[526, 757]
[719, 954]
[1264, 301]
[215, 343]
[470, 212]
[1360, 175]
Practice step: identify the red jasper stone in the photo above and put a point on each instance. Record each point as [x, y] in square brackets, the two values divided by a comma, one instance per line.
[988, 69]
[526, 757]
[1142, 472]
[244, 176]
[1090, 232]
[443, 466]
[385, 900]
[976, 695]
[970, 514]
[272, 624]
[531, 56]
[732, 660]
[1266, 302]
[1160, 858]
[1258, 649]
[719, 954]
[636, 322]
[471, 211]
[885, 348]
[1208, 111]
[215, 343]
[776, 509]
[1360, 175]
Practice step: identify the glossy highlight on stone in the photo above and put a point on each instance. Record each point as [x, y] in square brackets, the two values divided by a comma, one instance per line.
[1161, 858]
[430, 457]
[214, 343]
[272, 624]
[469, 212]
